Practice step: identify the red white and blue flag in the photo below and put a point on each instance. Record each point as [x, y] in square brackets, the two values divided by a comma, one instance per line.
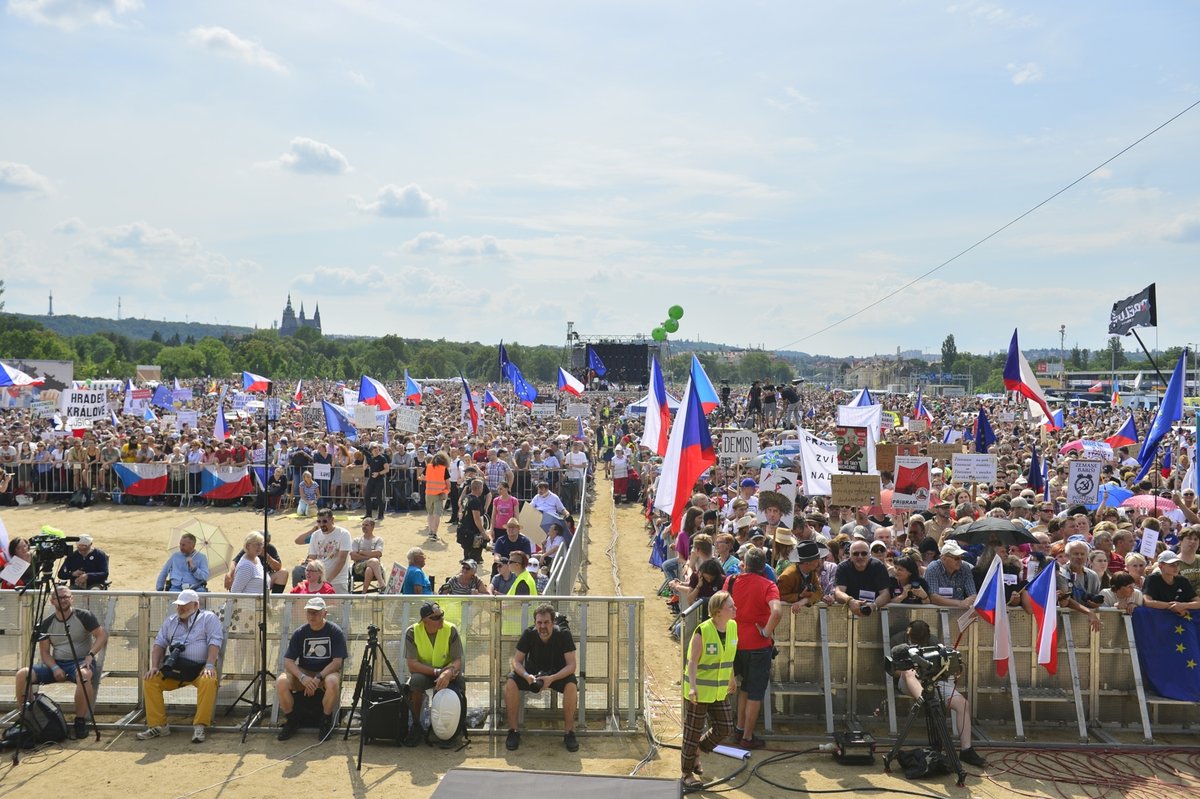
[1043, 603]
[991, 606]
[1127, 436]
[253, 382]
[142, 479]
[922, 411]
[220, 426]
[412, 389]
[1116, 394]
[658, 413]
[1019, 377]
[298, 396]
[709, 400]
[470, 413]
[569, 383]
[690, 453]
[16, 378]
[225, 482]
[372, 392]
[490, 401]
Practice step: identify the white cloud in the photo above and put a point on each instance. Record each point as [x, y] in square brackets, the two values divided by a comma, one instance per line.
[790, 97]
[357, 78]
[1103, 173]
[310, 157]
[225, 42]
[1025, 73]
[16, 178]
[1130, 194]
[69, 227]
[408, 201]
[992, 14]
[71, 15]
[429, 243]
[344, 279]
[1184, 228]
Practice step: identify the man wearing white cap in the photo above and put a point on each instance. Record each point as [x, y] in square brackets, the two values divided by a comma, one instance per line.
[185, 653]
[950, 585]
[86, 567]
[312, 666]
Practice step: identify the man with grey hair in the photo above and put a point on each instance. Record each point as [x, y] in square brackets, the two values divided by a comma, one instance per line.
[759, 610]
[1079, 586]
[415, 581]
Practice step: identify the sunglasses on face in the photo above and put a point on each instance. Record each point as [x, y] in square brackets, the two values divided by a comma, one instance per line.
[438, 617]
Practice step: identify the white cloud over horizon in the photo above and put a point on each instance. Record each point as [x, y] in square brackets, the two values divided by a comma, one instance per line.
[309, 157]
[21, 178]
[225, 42]
[401, 201]
[72, 15]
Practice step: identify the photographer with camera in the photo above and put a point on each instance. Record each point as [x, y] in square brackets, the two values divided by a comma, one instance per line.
[545, 658]
[68, 654]
[917, 638]
[863, 583]
[312, 665]
[185, 653]
[433, 651]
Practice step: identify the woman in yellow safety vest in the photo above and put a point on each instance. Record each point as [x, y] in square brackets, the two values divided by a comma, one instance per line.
[707, 684]
[436, 477]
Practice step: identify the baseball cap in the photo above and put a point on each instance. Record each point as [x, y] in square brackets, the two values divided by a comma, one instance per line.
[953, 549]
[316, 603]
[85, 539]
[429, 609]
[1168, 557]
[186, 597]
[749, 482]
[1019, 502]
[469, 563]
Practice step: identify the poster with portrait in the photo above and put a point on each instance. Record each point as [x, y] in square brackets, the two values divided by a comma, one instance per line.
[852, 444]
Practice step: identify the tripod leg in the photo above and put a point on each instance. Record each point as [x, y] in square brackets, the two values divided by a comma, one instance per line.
[908, 723]
[937, 724]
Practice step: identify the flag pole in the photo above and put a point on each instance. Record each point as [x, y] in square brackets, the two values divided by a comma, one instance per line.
[1157, 371]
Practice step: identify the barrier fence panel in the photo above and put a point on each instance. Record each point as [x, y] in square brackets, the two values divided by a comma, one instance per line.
[607, 633]
[567, 567]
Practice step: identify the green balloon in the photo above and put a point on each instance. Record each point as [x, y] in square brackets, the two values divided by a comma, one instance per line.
[670, 325]
[675, 312]
[658, 334]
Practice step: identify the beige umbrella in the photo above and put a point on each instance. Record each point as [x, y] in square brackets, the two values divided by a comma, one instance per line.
[210, 540]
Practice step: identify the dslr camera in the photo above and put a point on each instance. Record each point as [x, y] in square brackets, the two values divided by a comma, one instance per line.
[170, 661]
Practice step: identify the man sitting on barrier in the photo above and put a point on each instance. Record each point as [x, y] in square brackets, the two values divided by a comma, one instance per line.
[545, 657]
[433, 651]
[918, 635]
[69, 641]
[312, 666]
[185, 653]
[185, 570]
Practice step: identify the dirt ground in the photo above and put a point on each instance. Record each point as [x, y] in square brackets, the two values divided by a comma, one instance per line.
[119, 766]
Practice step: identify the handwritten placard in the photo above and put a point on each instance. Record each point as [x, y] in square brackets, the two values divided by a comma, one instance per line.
[855, 489]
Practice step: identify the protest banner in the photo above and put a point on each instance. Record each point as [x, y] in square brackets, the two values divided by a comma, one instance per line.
[912, 484]
[543, 410]
[322, 471]
[568, 427]
[181, 395]
[1006, 417]
[974, 468]
[1149, 547]
[852, 444]
[186, 418]
[578, 409]
[1083, 482]
[85, 404]
[944, 451]
[44, 409]
[408, 420]
[818, 462]
[349, 397]
[855, 489]
[782, 481]
[239, 401]
[735, 445]
[916, 425]
[365, 418]
[1096, 450]
[886, 454]
[167, 422]
[137, 401]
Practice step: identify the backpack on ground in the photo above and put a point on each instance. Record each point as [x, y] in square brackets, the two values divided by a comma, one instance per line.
[44, 723]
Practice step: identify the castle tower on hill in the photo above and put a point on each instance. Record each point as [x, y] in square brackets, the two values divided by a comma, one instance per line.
[291, 323]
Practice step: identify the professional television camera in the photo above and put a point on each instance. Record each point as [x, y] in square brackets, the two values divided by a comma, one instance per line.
[48, 548]
[931, 663]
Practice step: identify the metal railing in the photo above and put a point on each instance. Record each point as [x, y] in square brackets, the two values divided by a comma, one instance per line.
[570, 567]
[607, 633]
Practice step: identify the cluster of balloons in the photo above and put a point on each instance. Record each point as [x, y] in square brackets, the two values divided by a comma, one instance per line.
[674, 314]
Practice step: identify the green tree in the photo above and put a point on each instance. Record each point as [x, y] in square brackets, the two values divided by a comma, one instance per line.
[1114, 353]
[217, 359]
[949, 354]
[754, 366]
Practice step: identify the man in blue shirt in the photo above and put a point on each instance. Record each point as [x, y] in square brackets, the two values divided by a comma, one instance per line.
[415, 581]
[185, 653]
[185, 570]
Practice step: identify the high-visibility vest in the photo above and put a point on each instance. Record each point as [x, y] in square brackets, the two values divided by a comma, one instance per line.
[437, 652]
[435, 480]
[716, 662]
[527, 579]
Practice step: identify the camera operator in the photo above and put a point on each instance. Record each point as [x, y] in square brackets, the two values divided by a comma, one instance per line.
[545, 658]
[68, 653]
[917, 635]
[185, 653]
[863, 583]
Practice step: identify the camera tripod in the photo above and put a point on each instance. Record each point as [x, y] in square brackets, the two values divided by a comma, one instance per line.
[931, 703]
[366, 673]
[44, 584]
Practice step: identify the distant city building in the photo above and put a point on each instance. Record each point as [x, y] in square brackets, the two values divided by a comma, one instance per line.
[291, 323]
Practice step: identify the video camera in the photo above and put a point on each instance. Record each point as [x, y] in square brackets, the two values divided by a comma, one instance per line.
[49, 548]
[931, 663]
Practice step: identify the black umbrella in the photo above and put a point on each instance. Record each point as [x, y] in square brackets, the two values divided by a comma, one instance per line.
[989, 528]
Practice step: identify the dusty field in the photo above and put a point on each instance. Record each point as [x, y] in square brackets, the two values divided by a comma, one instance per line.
[119, 766]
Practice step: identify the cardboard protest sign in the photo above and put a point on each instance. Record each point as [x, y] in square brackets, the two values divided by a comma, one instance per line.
[408, 420]
[1096, 450]
[84, 404]
[886, 454]
[912, 484]
[578, 409]
[855, 489]
[1083, 482]
[736, 445]
[852, 444]
[944, 451]
[364, 417]
[322, 471]
[974, 468]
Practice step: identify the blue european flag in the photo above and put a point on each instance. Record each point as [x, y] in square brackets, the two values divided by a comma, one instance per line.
[594, 362]
[1169, 650]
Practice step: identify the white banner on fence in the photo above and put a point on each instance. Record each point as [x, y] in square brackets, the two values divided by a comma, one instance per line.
[85, 404]
[322, 471]
[972, 468]
[735, 445]
[818, 460]
[578, 409]
[1083, 482]
[408, 420]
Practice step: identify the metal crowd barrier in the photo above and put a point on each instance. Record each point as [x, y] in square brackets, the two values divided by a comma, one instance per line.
[571, 566]
[830, 667]
[607, 633]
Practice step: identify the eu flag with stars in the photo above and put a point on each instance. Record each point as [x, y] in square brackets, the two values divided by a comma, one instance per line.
[594, 362]
[1169, 650]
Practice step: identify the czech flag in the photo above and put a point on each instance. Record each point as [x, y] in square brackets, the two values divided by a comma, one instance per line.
[225, 482]
[1019, 377]
[689, 453]
[221, 427]
[709, 400]
[863, 399]
[372, 392]
[984, 435]
[253, 382]
[1169, 412]
[1127, 436]
[16, 378]
[991, 606]
[1116, 395]
[412, 389]
[1055, 422]
[113, 415]
[1043, 602]
[922, 411]
[339, 420]
[569, 383]
[470, 414]
[658, 414]
[142, 479]
[490, 401]
[594, 362]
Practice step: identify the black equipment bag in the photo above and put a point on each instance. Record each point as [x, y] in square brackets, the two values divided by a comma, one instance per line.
[44, 723]
[924, 762]
[386, 712]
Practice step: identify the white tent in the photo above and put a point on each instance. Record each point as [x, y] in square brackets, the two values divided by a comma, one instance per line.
[639, 408]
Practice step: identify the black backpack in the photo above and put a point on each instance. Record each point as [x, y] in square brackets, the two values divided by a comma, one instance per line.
[82, 498]
[44, 723]
[924, 762]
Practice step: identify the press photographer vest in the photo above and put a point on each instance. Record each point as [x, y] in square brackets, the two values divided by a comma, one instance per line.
[436, 652]
[716, 662]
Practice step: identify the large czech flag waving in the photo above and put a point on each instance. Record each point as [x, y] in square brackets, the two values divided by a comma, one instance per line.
[991, 606]
[690, 452]
[372, 392]
[1019, 377]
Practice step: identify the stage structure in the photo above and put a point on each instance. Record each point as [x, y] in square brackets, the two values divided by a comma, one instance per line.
[626, 358]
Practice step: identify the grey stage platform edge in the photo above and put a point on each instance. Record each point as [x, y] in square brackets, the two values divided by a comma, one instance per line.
[466, 783]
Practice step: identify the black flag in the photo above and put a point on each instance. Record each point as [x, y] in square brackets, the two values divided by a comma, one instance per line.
[1135, 311]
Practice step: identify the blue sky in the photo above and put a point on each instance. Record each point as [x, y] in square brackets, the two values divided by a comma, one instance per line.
[491, 170]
